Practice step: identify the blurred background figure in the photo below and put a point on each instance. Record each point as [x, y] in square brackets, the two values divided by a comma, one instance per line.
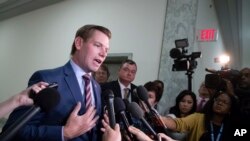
[102, 74]
[213, 84]
[204, 94]
[154, 93]
[160, 85]
[242, 91]
[185, 104]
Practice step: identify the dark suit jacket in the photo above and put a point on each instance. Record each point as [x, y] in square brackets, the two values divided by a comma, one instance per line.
[115, 87]
[48, 126]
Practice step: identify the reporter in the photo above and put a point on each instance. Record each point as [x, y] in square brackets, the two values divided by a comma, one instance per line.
[219, 113]
[20, 99]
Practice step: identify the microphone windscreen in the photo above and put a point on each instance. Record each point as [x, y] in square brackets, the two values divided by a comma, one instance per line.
[119, 105]
[142, 93]
[135, 110]
[47, 99]
[108, 94]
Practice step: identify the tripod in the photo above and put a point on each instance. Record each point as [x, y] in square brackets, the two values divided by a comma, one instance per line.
[189, 75]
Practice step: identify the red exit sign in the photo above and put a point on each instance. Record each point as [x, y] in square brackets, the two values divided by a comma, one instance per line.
[206, 35]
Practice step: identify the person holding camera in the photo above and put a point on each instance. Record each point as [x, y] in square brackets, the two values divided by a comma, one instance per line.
[213, 83]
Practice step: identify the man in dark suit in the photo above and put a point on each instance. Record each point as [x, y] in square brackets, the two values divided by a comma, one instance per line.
[123, 87]
[72, 119]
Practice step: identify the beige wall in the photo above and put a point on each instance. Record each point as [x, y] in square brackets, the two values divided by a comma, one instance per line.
[42, 39]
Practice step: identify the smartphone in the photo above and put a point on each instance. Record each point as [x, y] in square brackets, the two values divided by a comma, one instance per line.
[52, 85]
[32, 94]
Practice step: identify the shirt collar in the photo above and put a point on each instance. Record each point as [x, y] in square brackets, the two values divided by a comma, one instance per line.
[122, 86]
[79, 72]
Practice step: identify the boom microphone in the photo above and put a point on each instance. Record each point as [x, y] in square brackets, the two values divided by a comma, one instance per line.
[44, 101]
[110, 106]
[137, 112]
[120, 110]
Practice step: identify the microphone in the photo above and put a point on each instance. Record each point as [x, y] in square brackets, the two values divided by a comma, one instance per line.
[143, 95]
[137, 112]
[44, 101]
[110, 107]
[128, 115]
[141, 103]
[120, 109]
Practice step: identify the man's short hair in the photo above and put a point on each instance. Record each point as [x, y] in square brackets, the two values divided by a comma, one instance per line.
[86, 32]
[128, 61]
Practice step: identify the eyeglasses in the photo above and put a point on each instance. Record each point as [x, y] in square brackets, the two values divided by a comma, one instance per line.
[128, 70]
[217, 100]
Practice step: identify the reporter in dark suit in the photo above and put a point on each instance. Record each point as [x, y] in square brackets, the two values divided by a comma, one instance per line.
[70, 119]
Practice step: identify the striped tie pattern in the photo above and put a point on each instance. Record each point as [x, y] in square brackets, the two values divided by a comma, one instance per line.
[126, 93]
[88, 99]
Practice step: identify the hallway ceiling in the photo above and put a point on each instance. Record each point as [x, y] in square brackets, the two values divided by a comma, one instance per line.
[11, 8]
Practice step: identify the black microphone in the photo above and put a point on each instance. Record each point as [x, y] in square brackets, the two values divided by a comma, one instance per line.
[44, 101]
[109, 96]
[137, 112]
[128, 115]
[143, 95]
[120, 110]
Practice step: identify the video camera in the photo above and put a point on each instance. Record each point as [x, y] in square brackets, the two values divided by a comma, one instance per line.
[182, 61]
[216, 81]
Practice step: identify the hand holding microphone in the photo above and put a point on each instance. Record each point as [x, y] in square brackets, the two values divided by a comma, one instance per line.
[120, 109]
[137, 112]
[20, 99]
[45, 100]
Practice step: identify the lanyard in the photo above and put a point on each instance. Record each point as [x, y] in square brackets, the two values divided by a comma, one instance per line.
[212, 132]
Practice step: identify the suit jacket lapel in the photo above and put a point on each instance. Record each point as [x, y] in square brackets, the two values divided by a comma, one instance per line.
[97, 95]
[71, 81]
[117, 88]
